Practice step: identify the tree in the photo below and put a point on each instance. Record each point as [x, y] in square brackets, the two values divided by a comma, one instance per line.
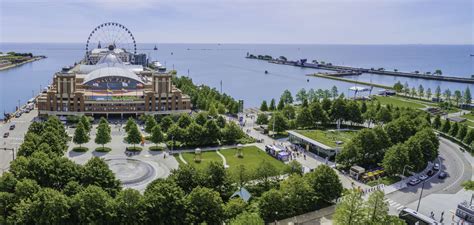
[103, 134]
[338, 110]
[281, 104]
[457, 97]
[353, 113]
[377, 208]
[187, 177]
[204, 205]
[164, 204]
[383, 115]
[350, 211]
[272, 205]
[92, 206]
[462, 132]
[428, 94]
[133, 136]
[212, 132]
[272, 105]
[312, 95]
[395, 159]
[294, 167]
[301, 95]
[413, 92]
[184, 120]
[278, 123]
[304, 118]
[398, 87]
[156, 135]
[421, 91]
[289, 112]
[468, 185]
[150, 123]
[453, 131]
[287, 97]
[213, 111]
[469, 137]
[438, 72]
[46, 207]
[221, 121]
[299, 195]
[166, 123]
[247, 218]
[201, 118]
[129, 207]
[264, 106]
[262, 118]
[437, 122]
[325, 183]
[438, 93]
[406, 88]
[176, 133]
[446, 127]
[447, 94]
[318, 115]
[86, 122]
[194, 134]
[234, 207]
[467, 96]
[130, 123]
[80, 135]
[96, 172]
[232, 132]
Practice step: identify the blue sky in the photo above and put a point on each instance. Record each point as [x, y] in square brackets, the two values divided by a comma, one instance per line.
[244, 21]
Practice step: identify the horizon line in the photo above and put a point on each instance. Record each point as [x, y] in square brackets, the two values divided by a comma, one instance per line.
[253, 43]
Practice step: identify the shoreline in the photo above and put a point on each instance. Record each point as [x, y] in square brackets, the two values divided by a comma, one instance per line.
[35, 58]
[349, 80]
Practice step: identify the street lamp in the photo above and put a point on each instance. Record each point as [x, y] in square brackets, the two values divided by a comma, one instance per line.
[421, 195]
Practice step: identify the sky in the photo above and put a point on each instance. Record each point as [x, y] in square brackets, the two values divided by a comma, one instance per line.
[244, 21]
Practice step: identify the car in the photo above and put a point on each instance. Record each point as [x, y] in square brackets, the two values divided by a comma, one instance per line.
[436, 166]
[430, 173]
[5, 135]
[423, 177]
[414, 181]
[12, 127]
[442, 175]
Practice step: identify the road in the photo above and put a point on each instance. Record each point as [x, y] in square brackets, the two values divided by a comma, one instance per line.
[454, 163]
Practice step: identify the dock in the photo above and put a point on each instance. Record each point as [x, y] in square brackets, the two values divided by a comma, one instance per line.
[350, 71]
[322, 75]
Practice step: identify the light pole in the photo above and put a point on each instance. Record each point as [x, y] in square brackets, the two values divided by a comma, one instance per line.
[421, 195]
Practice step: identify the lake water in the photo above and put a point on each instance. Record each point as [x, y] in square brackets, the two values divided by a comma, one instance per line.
[245, 78]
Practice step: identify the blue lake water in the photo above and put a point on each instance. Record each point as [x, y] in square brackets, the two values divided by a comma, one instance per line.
[245, 78]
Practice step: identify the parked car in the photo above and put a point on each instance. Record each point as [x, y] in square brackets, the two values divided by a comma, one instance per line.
[5, 135]
[12, 127]
[436, 166]
[442, 175]
[430, 173]
[423, 177]
[414, 181]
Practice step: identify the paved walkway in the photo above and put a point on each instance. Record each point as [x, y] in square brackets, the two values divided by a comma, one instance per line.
[224, 161]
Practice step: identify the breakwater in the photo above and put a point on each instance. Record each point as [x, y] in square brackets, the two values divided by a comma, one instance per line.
[350, 71]
[322, 75]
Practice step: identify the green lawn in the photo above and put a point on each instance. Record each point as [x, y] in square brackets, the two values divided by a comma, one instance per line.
[207, 157]
[253, 156]
[395, 101]
[329, 138]
[468, 116]
[384, 180]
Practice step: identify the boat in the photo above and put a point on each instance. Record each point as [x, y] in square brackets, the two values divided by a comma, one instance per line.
[266, 72]
[155, 48]
[472, 54]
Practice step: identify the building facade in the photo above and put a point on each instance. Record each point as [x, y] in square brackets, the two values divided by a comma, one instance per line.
[112, 87]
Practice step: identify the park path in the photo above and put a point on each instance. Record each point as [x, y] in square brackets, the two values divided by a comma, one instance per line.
[182, 159]
[224, 161]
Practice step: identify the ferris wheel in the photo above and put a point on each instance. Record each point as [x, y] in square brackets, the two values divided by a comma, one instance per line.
[113, 36]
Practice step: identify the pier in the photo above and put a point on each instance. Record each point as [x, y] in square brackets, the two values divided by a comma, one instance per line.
[322, 75]
[350, 71]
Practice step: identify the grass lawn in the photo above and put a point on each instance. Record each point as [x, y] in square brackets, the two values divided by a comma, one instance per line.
[395, 101]
[329, 138]
[206, 158]
[253, 156]
[468, 116]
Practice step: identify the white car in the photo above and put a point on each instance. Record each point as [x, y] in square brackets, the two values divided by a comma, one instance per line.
[423, 177]
[436, 166]
[414, 182]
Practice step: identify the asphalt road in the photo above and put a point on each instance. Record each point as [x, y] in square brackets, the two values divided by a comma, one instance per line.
[453, 162]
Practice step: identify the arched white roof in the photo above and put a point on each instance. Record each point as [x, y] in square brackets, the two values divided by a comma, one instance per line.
[110, 59]
[111, 72]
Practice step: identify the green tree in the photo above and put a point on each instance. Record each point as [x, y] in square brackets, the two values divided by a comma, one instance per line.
[221, 121]
[318, 115]
[86, 122]
[262, 118]
[272, 105]
[103, 134]
[201, 118]
[300, 195]
[304, 118]
[212, 132]
[204, 206]
[232, 132]
[281, 104]
[294, 167]
[92, 206]
[213, 111]
[287, 97]
[264, 106]
[96, 172]
[133, 136]
[469, 137]
[234, 207]
[194, 134]
[301, 95]
[129, 207]
[130, 123]
[334, 92]
[446, 126]
[156, 135]
[468, 185]
[80, 135]
[184, 120]
[166, 123]
[164, 203]
[350, 211]
[176, 133]
[421, 91]
[462, 132]
[247, 218]
[395, 159]
[150, 122]
[453, 131]
[467, 96]
[187, 177]
[437, 122]
[338, 110]
[289, 112]
[398, 87]
[457, 97]
[428, 94]
[438, 93]
[278, 123]
[325, 183]
[272, 205]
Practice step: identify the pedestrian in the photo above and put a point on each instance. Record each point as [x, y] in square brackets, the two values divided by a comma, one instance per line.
[442, 213]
